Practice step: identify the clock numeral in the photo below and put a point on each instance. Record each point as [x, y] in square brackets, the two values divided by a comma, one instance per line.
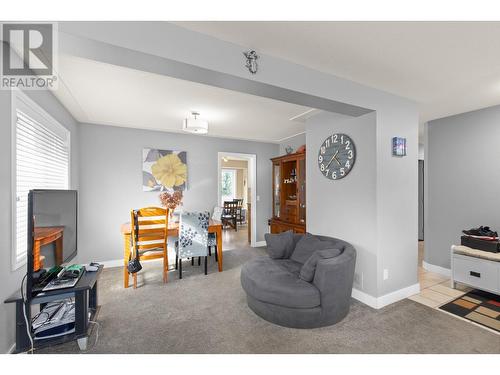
[349, 154]
[347, 164]
[320, 159]
[342, 172]
[327, 143]
[334, 175]
[323, 149]
[342, 139]
[322, 167]
[335, 138]
[326, 172]
[347, 147]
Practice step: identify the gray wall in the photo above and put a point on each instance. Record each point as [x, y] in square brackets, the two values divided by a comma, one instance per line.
[397, 184]
[462, 177]
[346, 208]
[111, 181]
[10, 280]
[295, 142]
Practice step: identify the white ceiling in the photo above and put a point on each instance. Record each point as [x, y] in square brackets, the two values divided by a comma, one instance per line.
[106, 94]
[447, 67]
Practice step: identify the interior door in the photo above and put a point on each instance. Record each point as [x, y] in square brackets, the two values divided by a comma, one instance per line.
[421, 200]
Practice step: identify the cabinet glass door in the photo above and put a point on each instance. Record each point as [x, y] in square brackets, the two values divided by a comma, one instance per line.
[301, 187]
[276, 190]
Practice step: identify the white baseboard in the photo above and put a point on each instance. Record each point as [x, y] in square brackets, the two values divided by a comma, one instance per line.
[259, 244]
[112, 263]
[387, 299]
[365, 298]
[436, 269]
[398, 295]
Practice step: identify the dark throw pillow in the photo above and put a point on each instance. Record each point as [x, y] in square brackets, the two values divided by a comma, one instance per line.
[279, 245]
[307, 245]
[309, 268]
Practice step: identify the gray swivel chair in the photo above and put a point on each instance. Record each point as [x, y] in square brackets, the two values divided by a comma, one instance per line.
[277, 292]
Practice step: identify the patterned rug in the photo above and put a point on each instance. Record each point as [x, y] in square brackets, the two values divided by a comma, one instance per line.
[477, 306]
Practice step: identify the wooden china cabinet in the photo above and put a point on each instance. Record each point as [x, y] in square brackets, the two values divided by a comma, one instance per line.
[289, 193]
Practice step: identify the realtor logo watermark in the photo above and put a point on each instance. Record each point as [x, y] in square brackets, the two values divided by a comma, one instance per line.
[28, 56]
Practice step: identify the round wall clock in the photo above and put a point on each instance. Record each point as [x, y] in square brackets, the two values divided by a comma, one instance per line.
[336, 156]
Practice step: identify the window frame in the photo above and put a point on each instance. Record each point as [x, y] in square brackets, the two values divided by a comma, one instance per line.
[22, 101]
[233, 182]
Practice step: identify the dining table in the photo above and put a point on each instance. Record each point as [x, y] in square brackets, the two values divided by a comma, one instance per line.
[214, 226]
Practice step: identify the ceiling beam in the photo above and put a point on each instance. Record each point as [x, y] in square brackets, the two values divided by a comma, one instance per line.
[120, 56]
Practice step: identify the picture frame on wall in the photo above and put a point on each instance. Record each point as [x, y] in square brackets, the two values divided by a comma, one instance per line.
[164, 170]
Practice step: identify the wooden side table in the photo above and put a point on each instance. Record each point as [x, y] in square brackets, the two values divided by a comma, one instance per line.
[44, 236]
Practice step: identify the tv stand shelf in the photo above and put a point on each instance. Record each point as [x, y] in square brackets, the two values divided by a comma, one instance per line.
[86, 301]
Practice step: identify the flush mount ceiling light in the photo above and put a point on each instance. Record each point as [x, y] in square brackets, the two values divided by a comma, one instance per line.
[195, 125]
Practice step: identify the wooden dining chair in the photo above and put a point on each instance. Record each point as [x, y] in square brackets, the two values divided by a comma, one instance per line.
[239, 210]
[229, 214]
[149, 232]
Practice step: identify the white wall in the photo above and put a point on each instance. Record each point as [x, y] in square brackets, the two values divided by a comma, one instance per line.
[295, 142]
[346, 208]
[462, 179]
[421, 151]
[10, 280]
[196, 56]
[111, 180]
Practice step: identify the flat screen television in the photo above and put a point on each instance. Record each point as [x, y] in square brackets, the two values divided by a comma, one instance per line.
[52, 234]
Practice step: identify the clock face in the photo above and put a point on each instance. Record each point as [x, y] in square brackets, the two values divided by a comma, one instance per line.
[336, 156]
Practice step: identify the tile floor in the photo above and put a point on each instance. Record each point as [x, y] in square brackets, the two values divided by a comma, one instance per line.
[435, 289]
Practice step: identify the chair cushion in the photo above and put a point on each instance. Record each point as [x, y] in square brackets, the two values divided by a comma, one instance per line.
[307, 245]
[279, 245]
[309, 268]
[289, 265]
[270, 281]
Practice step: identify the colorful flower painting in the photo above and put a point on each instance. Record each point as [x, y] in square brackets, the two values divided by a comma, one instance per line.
[163, 170]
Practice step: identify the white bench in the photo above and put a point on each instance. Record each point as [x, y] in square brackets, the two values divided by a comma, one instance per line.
[475, 268]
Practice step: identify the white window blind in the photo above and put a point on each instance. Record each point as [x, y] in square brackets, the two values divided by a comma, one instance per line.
[41, 162]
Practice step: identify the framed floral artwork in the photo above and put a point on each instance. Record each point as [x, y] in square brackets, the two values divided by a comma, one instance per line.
[163, 170]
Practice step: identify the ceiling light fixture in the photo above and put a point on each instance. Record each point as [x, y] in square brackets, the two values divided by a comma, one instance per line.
[195, 125]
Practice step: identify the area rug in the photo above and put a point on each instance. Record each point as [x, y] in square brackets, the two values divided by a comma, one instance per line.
[477, 306]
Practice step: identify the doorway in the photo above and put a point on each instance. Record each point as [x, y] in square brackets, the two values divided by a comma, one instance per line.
[420, 214]
[237, 182]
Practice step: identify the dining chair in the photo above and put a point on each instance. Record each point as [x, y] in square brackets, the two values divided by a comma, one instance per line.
[239, 210]
[149, 234]
[212, 237]
[193, 239]
[229, 214]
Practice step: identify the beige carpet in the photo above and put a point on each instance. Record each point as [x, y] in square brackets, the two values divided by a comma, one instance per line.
[208, 314]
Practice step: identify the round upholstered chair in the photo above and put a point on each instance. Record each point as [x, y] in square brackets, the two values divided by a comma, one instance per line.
[277, 291]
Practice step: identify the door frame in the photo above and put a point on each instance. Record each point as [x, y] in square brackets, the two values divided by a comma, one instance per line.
[252, 182]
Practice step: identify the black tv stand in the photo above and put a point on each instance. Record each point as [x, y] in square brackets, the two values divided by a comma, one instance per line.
[85, 295]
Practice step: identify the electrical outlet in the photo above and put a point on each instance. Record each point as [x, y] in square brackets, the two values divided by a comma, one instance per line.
[386, 274]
